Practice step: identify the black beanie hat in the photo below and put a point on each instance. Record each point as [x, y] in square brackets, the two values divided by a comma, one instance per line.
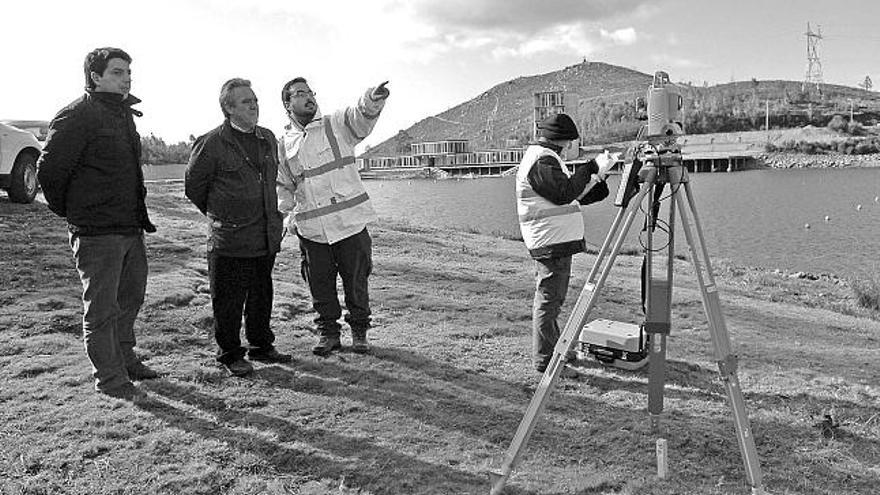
[558, 127]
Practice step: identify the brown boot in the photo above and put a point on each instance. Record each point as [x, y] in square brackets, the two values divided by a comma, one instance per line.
[326, 345]
[138, 371]
[359, 343]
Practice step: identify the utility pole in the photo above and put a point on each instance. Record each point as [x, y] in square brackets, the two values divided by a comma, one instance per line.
[767, 118]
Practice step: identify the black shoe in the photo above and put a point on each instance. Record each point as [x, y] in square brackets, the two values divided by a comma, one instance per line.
[239, 367]
[326, 345]
[140, 371]
[359, 343]
[126, 391]
[269, 356]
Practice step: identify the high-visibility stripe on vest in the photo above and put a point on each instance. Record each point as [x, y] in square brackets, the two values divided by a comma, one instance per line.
[542, 222]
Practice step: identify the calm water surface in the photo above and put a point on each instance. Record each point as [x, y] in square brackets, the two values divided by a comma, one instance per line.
[754, 218]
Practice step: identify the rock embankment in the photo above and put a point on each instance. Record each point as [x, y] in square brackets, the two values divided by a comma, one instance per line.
[804, 160]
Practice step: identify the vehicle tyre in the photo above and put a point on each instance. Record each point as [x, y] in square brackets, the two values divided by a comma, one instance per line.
[23, 179]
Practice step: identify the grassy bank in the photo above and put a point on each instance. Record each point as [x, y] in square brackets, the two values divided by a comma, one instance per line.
[438, 400]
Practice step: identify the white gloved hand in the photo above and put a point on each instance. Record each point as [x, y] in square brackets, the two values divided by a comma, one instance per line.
[605, 161]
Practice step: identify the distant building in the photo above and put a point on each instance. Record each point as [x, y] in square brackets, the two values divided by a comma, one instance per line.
[548, 103]
[455, 157]
[451, 155]
[449, 146]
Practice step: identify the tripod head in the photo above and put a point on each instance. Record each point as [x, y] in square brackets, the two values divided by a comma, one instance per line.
[656, 149]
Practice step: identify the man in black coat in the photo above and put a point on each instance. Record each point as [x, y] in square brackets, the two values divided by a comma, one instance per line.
[231, 179]
[90, 172]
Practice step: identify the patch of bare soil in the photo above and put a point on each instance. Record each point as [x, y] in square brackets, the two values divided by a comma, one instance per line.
[438, 400]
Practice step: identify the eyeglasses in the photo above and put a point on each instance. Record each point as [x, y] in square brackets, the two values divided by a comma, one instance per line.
[303, 94]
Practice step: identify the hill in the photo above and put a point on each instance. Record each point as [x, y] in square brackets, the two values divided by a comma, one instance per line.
[607, 112]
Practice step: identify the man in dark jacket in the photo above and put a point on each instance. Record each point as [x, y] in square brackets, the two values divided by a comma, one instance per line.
[231, 179]
[91, 174]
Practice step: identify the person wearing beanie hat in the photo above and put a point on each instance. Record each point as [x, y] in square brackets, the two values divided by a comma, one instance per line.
[549, 200]
[558, 127]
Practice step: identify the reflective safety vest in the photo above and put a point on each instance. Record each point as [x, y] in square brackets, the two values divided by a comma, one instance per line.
[319, 187]
[542, 222]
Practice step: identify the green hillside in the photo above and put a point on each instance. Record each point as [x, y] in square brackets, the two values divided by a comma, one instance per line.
[503, 115]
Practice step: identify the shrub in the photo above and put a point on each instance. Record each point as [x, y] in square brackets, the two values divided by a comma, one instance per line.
[865, 147]
[855, 129]
[806, 147]
[837, 124]
[867, 292]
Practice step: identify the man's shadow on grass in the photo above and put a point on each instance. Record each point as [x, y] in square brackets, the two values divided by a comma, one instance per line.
[323, 458]
[477, 405]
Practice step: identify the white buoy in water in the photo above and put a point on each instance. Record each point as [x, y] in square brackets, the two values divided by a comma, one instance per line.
[877, 199]
[827, 218]
[806, 225]
[858, 207]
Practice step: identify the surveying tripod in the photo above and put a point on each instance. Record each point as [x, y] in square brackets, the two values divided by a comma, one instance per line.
[655, 164]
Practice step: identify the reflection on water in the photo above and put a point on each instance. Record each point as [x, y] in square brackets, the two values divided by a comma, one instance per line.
[755, 218]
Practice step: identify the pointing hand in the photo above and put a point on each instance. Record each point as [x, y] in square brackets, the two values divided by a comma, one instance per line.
[380, 92]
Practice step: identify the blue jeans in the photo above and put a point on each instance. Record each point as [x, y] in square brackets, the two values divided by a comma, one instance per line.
[113, 270]
[350, 259]
[551, 287]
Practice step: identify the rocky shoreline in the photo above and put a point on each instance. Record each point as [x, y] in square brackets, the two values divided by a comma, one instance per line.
[784, 160]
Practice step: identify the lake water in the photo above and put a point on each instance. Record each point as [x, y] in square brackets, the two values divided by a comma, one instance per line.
[753, 218]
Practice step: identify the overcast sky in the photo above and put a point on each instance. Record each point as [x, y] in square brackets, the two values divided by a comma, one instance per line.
[436, 53]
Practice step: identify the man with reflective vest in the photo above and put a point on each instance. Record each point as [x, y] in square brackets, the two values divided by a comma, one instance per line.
[549, 199]
[320, 191]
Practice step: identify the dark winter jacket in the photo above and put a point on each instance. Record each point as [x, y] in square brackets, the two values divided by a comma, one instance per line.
[548, 180]
[237, 195]
[90, 169]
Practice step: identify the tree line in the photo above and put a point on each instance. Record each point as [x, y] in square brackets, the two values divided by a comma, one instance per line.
[732, 109]
[156, 152]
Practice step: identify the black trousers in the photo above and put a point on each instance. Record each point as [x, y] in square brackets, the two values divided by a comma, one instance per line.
[352, 260]
[241, 286]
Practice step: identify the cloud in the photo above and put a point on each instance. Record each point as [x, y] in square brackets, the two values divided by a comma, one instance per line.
[522, 16]
[624, 36]
[524, 28]
[423, 31]
[666, 60]
[574, 39]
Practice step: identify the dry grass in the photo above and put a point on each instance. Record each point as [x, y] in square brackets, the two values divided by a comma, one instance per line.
[439, 399]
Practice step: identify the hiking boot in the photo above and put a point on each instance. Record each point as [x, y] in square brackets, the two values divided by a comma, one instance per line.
[126, 391]
[359, 343]
[326, 345]
[137, 370]
[239, 367]
[269, 356]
